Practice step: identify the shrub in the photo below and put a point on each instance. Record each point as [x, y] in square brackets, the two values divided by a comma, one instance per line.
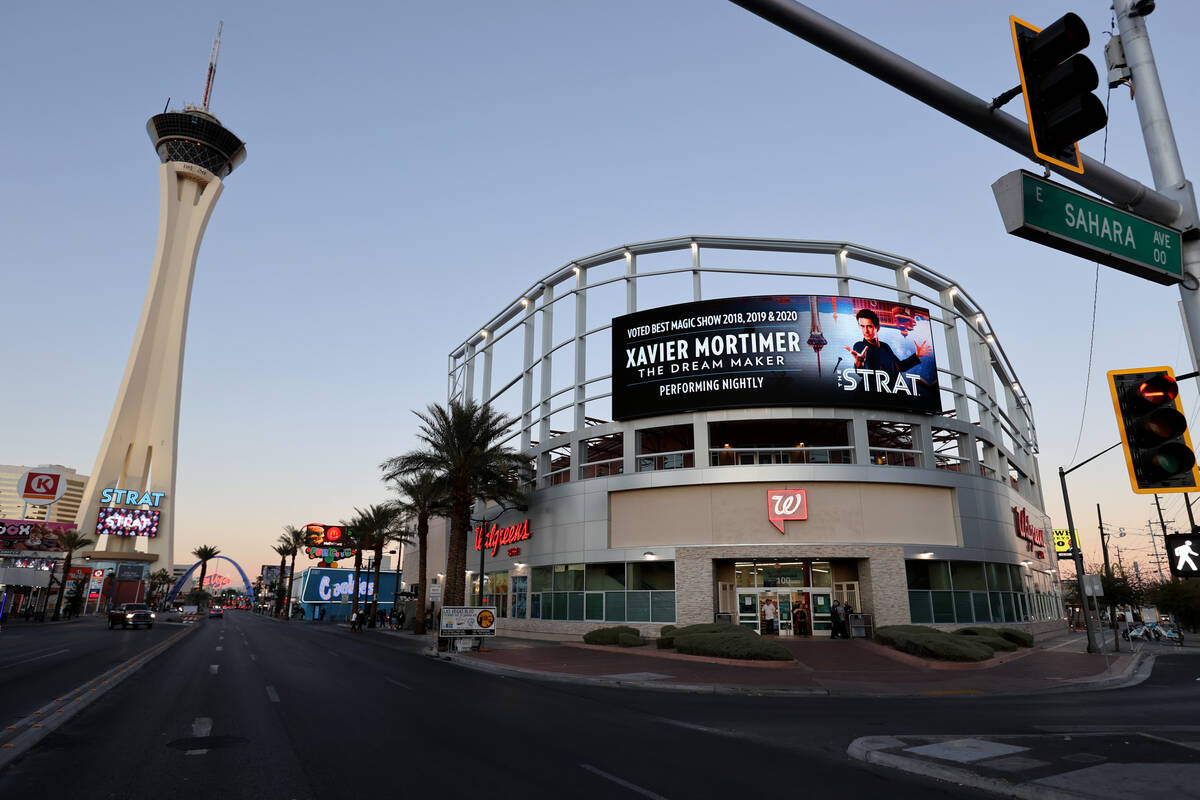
[630, 640]
[732, 644]
[710, 627]
[666, 637]
[930, 643]
[1019, 637]
[990, 636]
[609, 635]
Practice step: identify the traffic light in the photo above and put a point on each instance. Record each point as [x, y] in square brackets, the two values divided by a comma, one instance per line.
[1057, 81]
[1153, 429]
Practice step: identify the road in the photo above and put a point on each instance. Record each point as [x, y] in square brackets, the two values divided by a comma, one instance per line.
[41, 662]
[251, 707]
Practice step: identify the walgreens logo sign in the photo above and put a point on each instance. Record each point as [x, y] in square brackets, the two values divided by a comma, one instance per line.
[786, 504]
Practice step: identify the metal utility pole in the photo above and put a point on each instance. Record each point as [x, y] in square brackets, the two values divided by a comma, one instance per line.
[1088, 623]
[1112, 608]
[1161, 149]
[1157, 560]
[1163, 524]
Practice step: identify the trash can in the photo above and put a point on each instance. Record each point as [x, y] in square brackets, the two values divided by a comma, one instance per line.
[723, 617]
[862, 626]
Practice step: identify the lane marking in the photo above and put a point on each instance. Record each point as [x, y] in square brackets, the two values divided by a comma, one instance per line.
[398, 683]
[201, 728]
[212, 668]
[272, 694]
[219, 648]
[253, 657]
[43, 655]
[633, 787]
[335, 653]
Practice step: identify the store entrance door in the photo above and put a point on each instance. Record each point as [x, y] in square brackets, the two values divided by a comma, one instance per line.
[748, 609]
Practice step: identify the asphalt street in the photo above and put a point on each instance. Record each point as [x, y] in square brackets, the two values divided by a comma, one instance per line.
[40, 662]
[251, 707]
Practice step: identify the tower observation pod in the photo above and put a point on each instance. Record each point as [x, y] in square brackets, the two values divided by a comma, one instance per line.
[128, 507]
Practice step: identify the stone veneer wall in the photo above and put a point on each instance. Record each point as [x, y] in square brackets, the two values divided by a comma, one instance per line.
[882, 582]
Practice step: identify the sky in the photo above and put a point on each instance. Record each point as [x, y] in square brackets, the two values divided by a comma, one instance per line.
[412, 167]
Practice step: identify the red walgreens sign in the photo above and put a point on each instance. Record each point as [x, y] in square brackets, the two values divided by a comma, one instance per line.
[1025, 530]
[498, 537]
[786, 504]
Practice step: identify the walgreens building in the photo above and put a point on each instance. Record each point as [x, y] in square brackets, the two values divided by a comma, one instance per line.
[725, 425]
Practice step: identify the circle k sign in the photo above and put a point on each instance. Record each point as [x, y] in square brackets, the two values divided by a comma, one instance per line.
[41, 488]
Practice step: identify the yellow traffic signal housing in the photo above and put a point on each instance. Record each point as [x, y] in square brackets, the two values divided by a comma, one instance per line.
[1158, 449]
[1057, 82]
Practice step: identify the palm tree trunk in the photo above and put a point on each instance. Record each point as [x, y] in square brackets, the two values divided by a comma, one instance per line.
[422, 571]
[62, 587]
[291, 577]
[203, 572]
[378, 564]
[354, 587]
[456, 556]
[279, 586]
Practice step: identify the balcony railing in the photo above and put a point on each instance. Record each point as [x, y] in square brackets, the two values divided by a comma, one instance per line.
[678, 459]
[742, 456]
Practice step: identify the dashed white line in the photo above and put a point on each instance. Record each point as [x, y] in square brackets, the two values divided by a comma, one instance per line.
[253, 657]
[633, 787]
[212, 668]
[219, 648]
[201, 728]
[398, 683]
[272, 694]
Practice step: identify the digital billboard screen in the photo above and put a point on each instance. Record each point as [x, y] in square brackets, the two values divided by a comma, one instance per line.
[127, 522]
[783, 350]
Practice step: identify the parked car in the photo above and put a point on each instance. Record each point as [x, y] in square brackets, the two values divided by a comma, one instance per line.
[130, 615]
[216, 611]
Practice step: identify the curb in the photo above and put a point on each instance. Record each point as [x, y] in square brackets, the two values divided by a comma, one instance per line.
[925, 663]
[1135, 672]
[50, 717]
[870, 749]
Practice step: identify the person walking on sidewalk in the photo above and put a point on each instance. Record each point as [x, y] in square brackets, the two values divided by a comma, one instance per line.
[800, 620]
[837, 618]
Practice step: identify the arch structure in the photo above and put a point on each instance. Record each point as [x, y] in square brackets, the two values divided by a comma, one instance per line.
[184, 579]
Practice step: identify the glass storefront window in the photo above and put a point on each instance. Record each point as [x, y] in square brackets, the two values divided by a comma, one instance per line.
[651, 575]
[520, 585]
[822, 574]
[997, 575]
[743, 574]
[919, 607]
[967, 575]
[662, 606]
[791, 573]
[575, 606]
[637, 606]
[543, 579]
[594, 607]
[568, 577]
[614, 606]
[943, 606]
[605, 577]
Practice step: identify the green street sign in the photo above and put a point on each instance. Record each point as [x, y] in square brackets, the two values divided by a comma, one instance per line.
[1047, 213]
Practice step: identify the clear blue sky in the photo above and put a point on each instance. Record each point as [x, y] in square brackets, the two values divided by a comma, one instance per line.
[413, 166]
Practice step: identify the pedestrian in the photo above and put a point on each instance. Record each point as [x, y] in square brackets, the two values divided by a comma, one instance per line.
[770, 616]
[800, 620]
[400, 620]
[837, 619]
[322, 615]
[354, 621]
[847, 609]
[429, 619]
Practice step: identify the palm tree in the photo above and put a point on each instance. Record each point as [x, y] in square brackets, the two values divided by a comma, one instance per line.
[463, 444]
[282, 550]
[70, 542]
[359, 538]
[205, 553]
[382, 520]
[422, 495]
[294, 538]
[158, 579]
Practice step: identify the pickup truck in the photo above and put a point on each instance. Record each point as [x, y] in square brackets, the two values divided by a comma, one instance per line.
[130, 615]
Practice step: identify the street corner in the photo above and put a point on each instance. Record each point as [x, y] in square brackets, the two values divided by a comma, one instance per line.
[1080, 764]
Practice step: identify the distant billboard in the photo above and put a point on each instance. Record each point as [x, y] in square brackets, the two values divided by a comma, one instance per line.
[127, 522]
[131, 572]
[23, 534]
[323, 585]
[782, 350]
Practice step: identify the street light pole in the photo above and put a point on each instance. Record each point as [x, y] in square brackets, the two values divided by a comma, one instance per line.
[396, 587]
[1087, 617]
[1112, 608]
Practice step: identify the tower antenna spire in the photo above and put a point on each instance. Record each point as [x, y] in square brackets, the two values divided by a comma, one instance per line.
[212, 66]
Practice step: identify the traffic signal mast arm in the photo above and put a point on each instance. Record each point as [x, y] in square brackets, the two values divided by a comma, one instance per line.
[957, 103]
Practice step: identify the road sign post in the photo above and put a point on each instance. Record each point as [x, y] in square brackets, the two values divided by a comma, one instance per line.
[1051, 214]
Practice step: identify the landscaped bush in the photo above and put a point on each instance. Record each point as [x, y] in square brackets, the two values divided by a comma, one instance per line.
[731, 643]
[931, 643]
[630, 640]
[709, 627]
[666, 637]
[990, 636]
[1011, 635]
[1022, 638]
[609, 635]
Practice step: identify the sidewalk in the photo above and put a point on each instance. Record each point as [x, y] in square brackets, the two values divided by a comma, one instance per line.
[826, 667]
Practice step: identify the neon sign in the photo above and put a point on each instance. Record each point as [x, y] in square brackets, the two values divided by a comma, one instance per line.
[132, 497]
[328, 590]
[127, 522]
[497, 537]
[1025, 530]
